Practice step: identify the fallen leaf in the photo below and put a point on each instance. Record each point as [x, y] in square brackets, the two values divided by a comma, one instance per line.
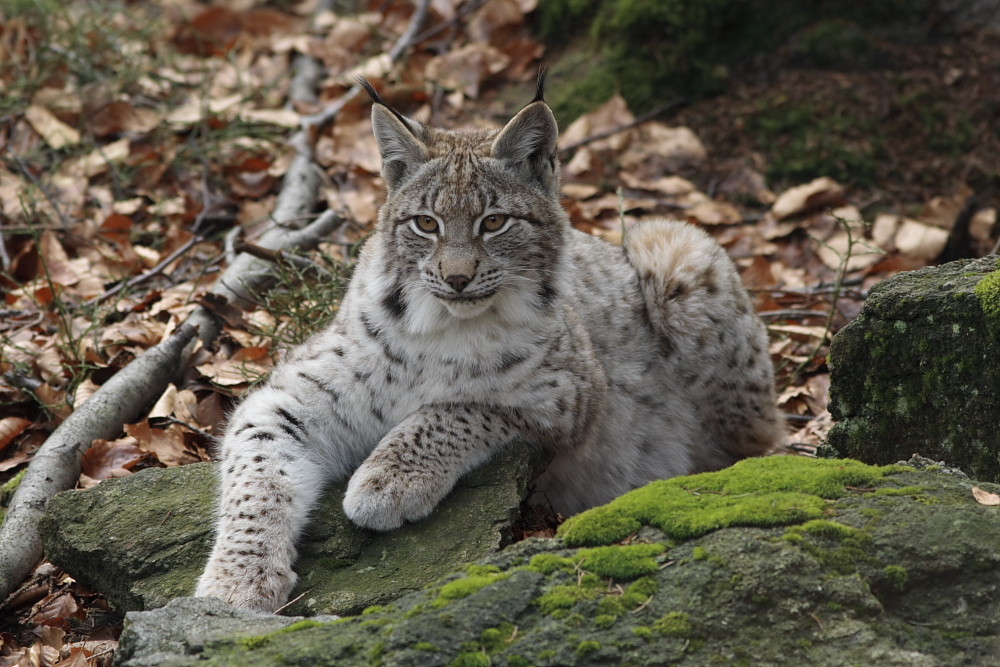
[820, 193]
[56, 133]
[920, 241]
[984, 497]
[10, 428]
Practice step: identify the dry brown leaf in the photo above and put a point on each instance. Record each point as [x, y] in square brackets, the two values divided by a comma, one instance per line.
[657, 148]
[820, 193]
[10, 428]
[984, 497]
[56, 133]
[612, 114]
[919, 241]
[112, 458]
[466, 68]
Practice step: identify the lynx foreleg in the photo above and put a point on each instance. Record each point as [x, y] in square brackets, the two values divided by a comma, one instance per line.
[419, 461]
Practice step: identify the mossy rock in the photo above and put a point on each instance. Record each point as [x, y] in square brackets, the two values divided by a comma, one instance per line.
[918, 371]
[143, 540]
[886, 565]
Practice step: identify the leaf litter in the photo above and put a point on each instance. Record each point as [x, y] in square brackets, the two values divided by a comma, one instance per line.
[122, 196]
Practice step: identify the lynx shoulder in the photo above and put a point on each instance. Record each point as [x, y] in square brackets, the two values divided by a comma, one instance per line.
[478, 319]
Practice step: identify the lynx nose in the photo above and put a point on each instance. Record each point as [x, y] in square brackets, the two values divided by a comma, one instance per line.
[459, 282]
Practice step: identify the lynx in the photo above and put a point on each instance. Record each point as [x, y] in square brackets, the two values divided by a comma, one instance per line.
[479, 319]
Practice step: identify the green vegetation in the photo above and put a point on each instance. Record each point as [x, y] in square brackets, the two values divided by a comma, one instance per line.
[693, 48]
[755, 492]
[622, 562]
[803, 141]
[674, 624]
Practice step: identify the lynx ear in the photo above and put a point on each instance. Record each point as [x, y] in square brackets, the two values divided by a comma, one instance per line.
[528, 143]
[399, 143]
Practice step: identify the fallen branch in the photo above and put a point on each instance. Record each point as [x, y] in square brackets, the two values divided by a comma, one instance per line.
[57, 463]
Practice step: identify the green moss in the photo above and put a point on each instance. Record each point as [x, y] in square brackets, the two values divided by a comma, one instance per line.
[9, 487]
[256, 642]
[900, 491]
[674, 624]
[988, 291]
[565, 597]
[462, 588]
[587, 647]
[549, 563]
[374, 609]
[897, 576]
[838, 547]
[699, 553]
[426, 646]
[471, 660]
[643, 632]
[494, 640]
[605, 621]
[518, 661]
[767, 491]
[622, 562]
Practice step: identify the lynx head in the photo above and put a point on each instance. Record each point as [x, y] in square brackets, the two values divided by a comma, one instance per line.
[472, 224]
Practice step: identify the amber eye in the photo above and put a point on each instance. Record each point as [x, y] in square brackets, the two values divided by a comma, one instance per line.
[494, 222]
[426, 223]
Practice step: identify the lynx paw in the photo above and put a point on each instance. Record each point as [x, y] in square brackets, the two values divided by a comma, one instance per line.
[246, 588]
[382, 500]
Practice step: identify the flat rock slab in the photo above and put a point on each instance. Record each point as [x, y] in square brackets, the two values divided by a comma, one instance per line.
[918, 371]
[143, 540]
[826, 563]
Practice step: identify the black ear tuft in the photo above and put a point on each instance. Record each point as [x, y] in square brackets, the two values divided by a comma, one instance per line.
[540, 84]
[370, 89]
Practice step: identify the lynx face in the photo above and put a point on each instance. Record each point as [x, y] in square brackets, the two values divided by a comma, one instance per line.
[472, 221]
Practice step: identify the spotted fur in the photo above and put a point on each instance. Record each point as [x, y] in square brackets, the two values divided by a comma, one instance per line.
[477, 319]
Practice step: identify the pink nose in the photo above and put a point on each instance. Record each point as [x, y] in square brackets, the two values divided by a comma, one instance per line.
[458, 283]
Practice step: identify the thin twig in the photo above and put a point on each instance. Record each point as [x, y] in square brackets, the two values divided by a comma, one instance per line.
[639, 120]
[143, 277]
[791, 313]
[290, 603]
[463, 12]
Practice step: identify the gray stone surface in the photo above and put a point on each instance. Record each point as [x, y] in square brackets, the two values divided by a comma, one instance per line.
[919, 371]
[900, 568]
[143, 540]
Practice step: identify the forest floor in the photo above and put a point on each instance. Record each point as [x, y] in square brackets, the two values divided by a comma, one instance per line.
[140, 144]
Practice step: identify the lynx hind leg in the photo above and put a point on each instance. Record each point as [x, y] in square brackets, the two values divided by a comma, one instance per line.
[712, 337]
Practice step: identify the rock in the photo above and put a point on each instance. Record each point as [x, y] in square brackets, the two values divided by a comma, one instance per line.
[780, 560]
[918, 371]
[185, 625]
[143, 540]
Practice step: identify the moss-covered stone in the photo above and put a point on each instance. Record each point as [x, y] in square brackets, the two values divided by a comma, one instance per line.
[923, 590]
[919, 370]
[754, 492]
[143, 540]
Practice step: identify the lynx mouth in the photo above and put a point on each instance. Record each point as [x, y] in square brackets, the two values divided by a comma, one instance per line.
[465, 307]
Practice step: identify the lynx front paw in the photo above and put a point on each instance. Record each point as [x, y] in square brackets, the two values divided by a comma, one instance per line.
[247, 588]
[383, 500]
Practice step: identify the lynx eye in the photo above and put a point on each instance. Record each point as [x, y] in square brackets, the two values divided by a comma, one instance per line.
[426, 224]
[494, 222]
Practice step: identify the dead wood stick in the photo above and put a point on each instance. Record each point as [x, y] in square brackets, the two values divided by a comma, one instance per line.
[147, 275]
[644, 118]
[56, 465]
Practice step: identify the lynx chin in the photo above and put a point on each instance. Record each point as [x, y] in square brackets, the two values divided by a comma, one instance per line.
[478, 319]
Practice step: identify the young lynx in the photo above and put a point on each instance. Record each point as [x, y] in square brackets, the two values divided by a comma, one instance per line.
[478, 318]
